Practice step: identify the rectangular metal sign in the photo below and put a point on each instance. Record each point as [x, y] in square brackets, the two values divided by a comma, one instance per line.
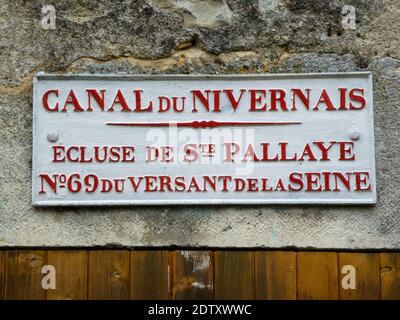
[255, 139]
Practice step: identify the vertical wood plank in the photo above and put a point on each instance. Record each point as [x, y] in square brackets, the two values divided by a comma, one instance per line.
[390, 276]
[317, 276]
[24, 274]
[108, 274]
[276, 277]
[149, 275]
[2, 273]
[367, 276]
[234, 275]
[192, 275]
[71, 274]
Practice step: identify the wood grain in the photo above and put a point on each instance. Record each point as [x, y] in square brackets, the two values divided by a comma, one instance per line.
[24, 274]
[149, 275]
[275, 277]
[108, 275]
[192, 275]
[234, 275]
[390, 275]
[317, 276]
[71, 270]
[197, 274]
[367, 276]
[2, 274]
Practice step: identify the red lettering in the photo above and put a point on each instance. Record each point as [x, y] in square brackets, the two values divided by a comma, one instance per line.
[325, 99]
[203, 99]
[234, 102]
[256, 99]
[45, 100]
[358, 98]
[72, 99]
[346, 151]
[138, 99]
[278, 95]
[362, 181]
[304, 99]
[99, 99]
[119, 99]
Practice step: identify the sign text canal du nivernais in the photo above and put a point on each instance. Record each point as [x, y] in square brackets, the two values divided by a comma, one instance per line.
[102, 140]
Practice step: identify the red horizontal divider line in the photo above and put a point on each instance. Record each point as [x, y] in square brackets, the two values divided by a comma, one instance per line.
[202, 124]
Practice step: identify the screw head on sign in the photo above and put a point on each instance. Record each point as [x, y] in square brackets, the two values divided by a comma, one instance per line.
[354, 135]
[52, 137]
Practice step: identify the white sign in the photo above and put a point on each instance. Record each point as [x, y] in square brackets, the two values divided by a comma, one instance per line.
[256, 139]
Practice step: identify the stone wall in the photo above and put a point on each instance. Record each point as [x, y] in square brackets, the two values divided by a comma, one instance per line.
[188, 37]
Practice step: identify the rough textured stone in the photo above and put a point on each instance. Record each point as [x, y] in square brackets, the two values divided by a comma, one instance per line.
[215, 36]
